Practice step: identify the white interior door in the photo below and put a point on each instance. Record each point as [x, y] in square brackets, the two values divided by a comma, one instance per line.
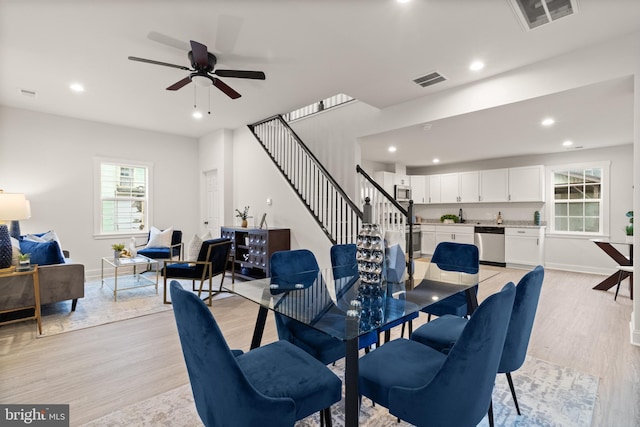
[212, 203]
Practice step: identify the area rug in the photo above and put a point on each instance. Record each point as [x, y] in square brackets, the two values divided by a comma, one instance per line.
[549, 396]
[98, 307]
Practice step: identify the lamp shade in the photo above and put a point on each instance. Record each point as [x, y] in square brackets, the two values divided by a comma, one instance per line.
[14, 206]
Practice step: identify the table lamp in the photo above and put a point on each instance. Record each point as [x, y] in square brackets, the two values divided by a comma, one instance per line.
[13, 207]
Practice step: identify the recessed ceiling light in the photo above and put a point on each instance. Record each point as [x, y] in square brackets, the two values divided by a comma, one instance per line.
[392, 149]
[567, 143]
[548, 121]
[403, 1]
[76, 87]
[197, 115]
[476, 66]
[436, 160]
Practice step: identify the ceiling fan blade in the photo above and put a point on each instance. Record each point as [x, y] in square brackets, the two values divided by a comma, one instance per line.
[240, 74]
[168, 40]
[226, 89]
[166, 64]
[200, 54]
[180, 84]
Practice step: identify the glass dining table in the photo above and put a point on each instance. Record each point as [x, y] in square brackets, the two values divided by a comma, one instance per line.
[336, 307]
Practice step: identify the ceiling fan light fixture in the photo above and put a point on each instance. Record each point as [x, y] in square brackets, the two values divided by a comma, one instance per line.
[201, 80]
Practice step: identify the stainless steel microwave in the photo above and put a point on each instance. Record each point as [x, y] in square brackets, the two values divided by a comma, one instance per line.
[402, 193]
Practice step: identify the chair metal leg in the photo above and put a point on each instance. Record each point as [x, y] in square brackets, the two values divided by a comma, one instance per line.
[490, 414]
[322, 418]
[513, 391]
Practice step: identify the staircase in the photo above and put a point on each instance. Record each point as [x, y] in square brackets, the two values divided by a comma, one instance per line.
[336, 214]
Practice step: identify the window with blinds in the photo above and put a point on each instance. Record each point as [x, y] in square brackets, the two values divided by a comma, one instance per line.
[124, 198]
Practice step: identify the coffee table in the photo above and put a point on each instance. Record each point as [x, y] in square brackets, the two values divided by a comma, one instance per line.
[123, 279]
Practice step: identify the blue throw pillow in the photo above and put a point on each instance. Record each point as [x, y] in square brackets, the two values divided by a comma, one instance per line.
[42, 253]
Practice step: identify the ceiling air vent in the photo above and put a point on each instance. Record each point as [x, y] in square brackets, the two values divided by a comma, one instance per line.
[429, 79]
[535, 13]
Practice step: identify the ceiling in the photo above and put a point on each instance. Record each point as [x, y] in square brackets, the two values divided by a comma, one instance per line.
[309, 50]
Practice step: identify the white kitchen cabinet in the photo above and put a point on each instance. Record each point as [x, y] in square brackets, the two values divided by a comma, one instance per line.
[428, 240]
[386, 180]
[494, 185]
[433, 185]
[399, 179]
[524, 246]
[418, 189]
[454, 233]
[456, 187]
[449, 183]
[468, 187]
[526, 184]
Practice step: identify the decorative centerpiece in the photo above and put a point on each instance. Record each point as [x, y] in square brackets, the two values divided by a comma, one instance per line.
[24, 262]
[372, 289]
[449, 219]
[117, 250]
[243, 216]
[629, 228]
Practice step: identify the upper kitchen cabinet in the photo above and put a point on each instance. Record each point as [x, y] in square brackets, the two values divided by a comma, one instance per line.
[419, 189]
[458, 188]
[494, 185]
[526, 184]
[386, 180]
[402, 180]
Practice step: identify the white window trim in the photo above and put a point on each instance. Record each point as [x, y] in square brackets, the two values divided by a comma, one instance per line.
[606, 198]
[97, 201]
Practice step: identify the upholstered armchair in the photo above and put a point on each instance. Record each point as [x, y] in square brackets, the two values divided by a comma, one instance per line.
[212, 261]
[164, 251]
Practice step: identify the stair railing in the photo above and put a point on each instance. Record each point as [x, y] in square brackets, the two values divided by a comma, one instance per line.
[333, 210]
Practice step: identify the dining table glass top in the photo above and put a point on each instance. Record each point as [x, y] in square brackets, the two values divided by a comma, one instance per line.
[330, 301]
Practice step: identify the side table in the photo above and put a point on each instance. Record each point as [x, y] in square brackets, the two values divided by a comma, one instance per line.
[33, 272]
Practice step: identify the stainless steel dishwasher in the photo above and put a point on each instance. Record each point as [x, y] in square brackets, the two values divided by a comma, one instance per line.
[490, 243]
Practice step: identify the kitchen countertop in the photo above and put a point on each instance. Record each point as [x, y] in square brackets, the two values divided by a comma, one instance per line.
[486, 223]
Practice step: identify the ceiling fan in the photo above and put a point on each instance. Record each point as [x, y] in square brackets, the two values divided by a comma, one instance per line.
[202, 71]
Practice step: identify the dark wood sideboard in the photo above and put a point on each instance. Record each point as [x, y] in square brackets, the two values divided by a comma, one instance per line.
[251, 248]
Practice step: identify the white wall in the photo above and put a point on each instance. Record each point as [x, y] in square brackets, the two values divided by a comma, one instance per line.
[331, 136]
[50, 159]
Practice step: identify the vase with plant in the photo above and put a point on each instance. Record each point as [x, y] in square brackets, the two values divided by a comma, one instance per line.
[243, 215]
[629, 228]
[24, 262]
[449, 218]
[117, 250]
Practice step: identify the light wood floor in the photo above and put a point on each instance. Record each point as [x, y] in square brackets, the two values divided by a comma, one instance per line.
[101, 369]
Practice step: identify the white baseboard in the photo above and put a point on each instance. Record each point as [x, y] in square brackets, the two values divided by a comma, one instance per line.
[580, 268]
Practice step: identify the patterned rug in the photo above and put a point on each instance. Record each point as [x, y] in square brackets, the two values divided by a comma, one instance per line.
[549, 396]
[98, 307]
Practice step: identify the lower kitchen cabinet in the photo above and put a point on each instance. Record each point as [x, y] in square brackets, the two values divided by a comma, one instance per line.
[454, 233]
[524, 246]
[428, 240]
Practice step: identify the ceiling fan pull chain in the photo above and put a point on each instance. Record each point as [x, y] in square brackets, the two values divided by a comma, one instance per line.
[195, 104]
[209, 100]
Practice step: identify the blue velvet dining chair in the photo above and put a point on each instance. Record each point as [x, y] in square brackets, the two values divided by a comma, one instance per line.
[442, 333]
[270, 386]
[323, 347]
[462, 257]
[426, 387]
[344, 264]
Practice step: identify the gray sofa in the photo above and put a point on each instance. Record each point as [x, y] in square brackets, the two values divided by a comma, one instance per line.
[58, 282]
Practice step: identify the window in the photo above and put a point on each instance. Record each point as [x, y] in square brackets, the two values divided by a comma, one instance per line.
[123, 189]
[578, 195]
